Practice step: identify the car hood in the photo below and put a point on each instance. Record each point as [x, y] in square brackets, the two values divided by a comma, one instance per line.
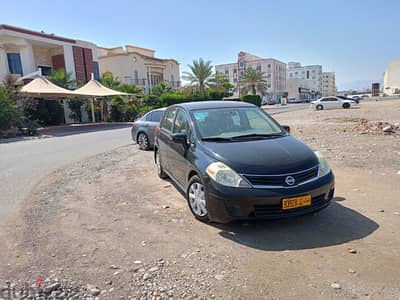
[265, 156]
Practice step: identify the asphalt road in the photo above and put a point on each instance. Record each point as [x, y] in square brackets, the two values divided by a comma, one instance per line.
[277, 109]
[24, 163]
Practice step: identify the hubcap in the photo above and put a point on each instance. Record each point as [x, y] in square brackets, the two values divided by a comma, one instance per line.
[197, 199]
[143, 140]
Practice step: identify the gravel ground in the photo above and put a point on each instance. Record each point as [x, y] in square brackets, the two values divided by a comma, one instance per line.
[109, 228]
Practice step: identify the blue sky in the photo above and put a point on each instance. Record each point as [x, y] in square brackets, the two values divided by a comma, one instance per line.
[354, 38]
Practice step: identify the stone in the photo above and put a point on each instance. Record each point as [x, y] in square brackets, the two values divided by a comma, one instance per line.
[137, 262]
[153, 269]
[165, 206]
[93, 290]
[146, 276]
[352, 251]
[388, 129]
[352, 271]
[336, 286]
[48, 289]
[219, 276]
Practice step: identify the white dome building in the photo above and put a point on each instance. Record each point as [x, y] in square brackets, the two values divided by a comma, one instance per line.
[391, 79]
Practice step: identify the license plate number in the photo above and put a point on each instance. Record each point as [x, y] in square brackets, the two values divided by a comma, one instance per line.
[290, 203]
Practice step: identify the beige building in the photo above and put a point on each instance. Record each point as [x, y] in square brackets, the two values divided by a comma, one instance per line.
[275, 72]
[328, 84]
[139, 66]
[308, 78]
[24, 51]
[391, 79]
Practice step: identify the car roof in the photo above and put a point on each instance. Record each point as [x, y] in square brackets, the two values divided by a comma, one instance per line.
[158, 109]
[196, 105]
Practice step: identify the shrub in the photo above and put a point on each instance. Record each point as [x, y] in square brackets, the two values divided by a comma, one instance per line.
[152, 100]
[9, 112]
[254, 99]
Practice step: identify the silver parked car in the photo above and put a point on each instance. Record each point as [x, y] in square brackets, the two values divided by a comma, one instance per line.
[143, 128]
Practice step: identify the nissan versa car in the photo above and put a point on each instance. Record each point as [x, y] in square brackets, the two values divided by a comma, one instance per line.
[234, 162]
[142, 131]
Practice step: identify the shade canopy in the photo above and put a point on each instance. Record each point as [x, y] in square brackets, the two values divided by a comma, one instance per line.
[41, 87]
[95, 89]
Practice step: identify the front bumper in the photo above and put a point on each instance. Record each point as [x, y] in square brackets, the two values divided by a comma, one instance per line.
[226, 204]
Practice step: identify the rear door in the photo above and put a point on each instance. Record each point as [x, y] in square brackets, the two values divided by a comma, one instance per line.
[177, 154]
[153, 120]
[165, 137]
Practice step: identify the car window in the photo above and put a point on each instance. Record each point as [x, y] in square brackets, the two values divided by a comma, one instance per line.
[333, 99]
[148, 116]
[232, 122]
[168, 119]
[156, 116]
[181, 124]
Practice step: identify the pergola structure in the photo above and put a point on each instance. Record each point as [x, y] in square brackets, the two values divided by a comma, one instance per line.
[41, 87]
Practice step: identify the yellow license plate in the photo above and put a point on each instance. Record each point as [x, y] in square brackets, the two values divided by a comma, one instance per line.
[289, 203]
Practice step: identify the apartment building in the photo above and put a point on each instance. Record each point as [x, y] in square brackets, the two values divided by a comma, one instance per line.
[306, 78]
[23, 51]
[275, 73]
[391, 79]
[328, 84]
[139, 66]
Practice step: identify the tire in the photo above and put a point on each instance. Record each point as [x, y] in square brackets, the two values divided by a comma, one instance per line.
[197, 200]
[160, 171]
[346, 105]
[143, 141]
[319, 107]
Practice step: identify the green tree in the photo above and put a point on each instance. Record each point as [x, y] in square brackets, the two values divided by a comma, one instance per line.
[161, 88]
[108, 80]
[221, 84]
[9, 113]
[200, 73]
[253, 81]
[62, 79]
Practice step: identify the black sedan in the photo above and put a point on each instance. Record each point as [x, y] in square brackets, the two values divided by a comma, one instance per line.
[234, 161]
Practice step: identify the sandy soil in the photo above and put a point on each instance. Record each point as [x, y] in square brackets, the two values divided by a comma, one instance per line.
[111, 222]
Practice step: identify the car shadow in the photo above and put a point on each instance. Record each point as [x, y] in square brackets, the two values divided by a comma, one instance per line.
[335, 225]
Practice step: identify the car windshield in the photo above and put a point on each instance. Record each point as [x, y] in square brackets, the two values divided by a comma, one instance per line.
[235, 123]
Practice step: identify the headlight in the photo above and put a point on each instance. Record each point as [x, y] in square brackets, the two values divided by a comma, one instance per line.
[323, 164]
[224, 175]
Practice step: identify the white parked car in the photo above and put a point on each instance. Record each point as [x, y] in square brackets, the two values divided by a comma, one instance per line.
[331, 103]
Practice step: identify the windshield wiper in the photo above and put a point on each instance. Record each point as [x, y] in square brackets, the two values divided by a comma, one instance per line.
[216, 139]
[257, 135]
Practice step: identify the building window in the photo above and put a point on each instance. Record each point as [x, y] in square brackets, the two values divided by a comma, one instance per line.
[46, 71]
[14, 63]
[136, 77]
[227, 72]
[171, 65]
[96, 71]
[308, 74]
[241, 73]
[241, 64]
[259, 67]
[172, 80]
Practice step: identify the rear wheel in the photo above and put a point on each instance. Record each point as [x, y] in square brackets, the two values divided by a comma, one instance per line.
[160, 171]
[143, 141]
[196, 197]
[346, 105]
[319, 107]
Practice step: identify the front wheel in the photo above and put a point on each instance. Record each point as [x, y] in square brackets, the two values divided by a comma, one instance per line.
[196, 197]
[319, 107]
[346, 105]
[143, 141]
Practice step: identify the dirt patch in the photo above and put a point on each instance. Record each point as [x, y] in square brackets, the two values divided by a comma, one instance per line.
[110, 222]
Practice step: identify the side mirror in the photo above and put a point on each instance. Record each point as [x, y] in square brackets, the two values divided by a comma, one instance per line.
[180, 138]
[287, 128]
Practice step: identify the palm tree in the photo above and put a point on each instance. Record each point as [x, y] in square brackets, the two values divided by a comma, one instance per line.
[254, 81]
[161, 88]
[62, 79]
[108, 80]
[201, 71]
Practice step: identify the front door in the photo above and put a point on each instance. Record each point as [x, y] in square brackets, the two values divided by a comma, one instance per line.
[178, 152]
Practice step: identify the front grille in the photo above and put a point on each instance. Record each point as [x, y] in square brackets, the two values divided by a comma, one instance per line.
[280, 180]
[265, 210]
